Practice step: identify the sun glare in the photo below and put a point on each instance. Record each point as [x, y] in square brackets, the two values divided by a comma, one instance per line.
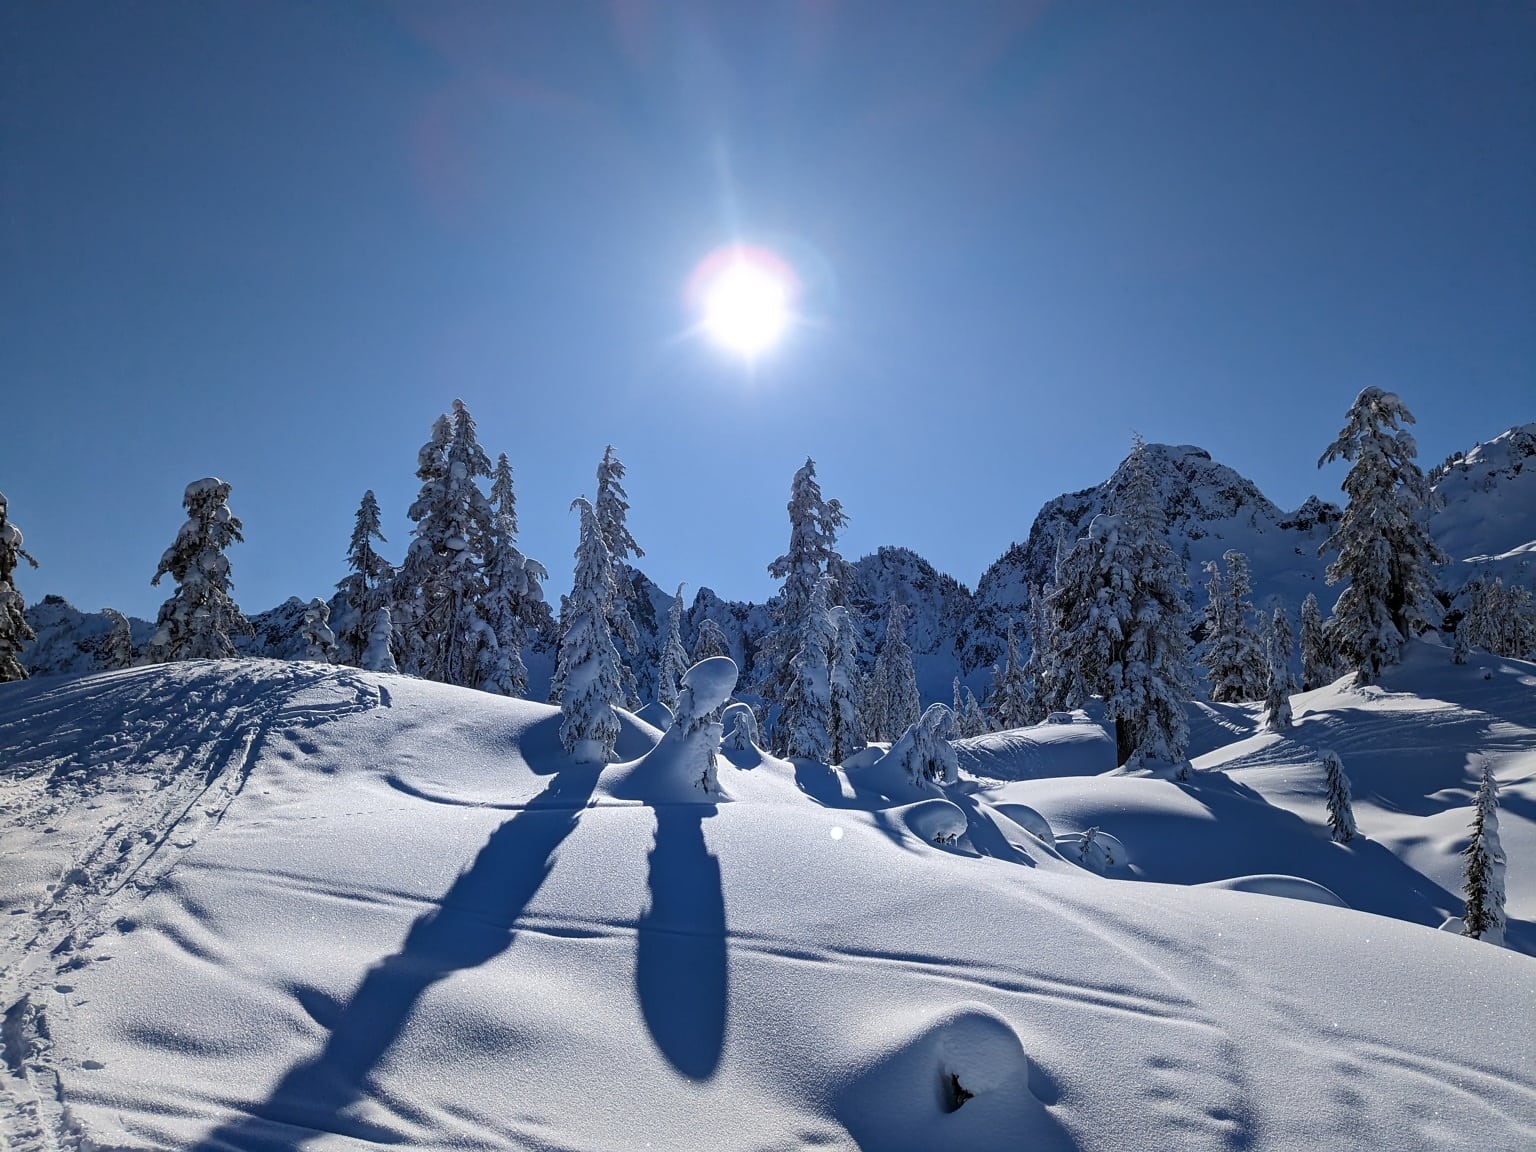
[745, 298]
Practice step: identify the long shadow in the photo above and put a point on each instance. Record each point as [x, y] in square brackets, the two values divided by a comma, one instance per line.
[472, 924]
[680, 962]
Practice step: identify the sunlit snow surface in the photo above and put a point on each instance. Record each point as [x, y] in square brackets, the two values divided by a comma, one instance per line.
[268, 905]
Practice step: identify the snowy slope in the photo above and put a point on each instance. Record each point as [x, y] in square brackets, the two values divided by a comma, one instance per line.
[1486, 514]
[258, 904]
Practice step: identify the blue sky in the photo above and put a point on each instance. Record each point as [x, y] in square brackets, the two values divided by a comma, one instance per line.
[272, 241]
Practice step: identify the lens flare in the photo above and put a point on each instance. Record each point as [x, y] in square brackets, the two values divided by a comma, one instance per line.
[744, 297]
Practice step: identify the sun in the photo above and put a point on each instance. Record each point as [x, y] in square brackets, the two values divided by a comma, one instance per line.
[745, 299]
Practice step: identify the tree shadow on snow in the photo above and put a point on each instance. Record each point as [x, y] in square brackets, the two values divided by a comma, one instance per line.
[470, 925]
[680, 963]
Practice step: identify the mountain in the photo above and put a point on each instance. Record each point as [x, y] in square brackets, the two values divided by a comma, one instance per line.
[1485, 514]
[1210, 508]
[254, 904]
[70, 641]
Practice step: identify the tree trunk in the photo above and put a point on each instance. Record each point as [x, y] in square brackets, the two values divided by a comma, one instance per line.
[1125, 741]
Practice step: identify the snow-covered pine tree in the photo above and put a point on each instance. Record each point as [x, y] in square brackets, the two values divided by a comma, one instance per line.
[1034, 689]
[14, 629]
[1279, 682]
[514, 592]
[1341, 815]
[592, 686]
[1384, 550]
[442, 582]
[612, 507]
[319, 640]
[117, 649]
[1483, 866]
[1010, 701]
[711, 641]
[972, 721]
[1460, 648]
[805, 714]
[1317, 664]
[924, 750]
[674, 658]
[845, 733]
[1234, 654]
[378, 656]
[1500, 619]
[366, 587]
[1119, 608]
[196, 622]
[740, 724]
[895, 680]
[811, 558]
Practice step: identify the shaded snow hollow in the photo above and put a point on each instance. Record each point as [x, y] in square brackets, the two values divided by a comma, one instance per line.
[255, 905]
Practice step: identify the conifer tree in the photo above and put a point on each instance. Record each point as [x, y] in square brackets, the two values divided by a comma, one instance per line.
[319, 640]
[379, 656]
[1317, 664]
[1119, 607]
[14, 629]
[1279, 682]
[366, 587]
[592, 689]
[442, 582]
[711, 641]
[1500, 619]
[1235, 662]
[971, 721]
[1010, 700]
[674, 658]
[895, 680]
[1034, 689]
[740, 724]
[845, 733]
[1383, 548]
[809, 569]
[196, 622]
[514, 593]
[1341, 815]
[117, 649]
[805, 715]
[1483, 866]
[612, 509]
[924, 750]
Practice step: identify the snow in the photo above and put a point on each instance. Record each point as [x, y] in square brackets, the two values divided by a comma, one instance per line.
[249, 904]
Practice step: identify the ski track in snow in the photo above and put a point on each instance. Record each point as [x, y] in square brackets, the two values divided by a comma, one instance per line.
[192, 750]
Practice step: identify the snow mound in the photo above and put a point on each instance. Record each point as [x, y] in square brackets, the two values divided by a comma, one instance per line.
[682, 768]
[1081, 748]
[1290, 887]
[936, 821]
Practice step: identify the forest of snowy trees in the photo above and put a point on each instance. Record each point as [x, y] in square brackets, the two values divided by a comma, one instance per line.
[1113, 621]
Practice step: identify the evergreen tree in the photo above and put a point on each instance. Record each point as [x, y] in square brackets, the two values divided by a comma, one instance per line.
[1119, 607]
[1341, 815]
[592, 686]
[1011, 696]
[971, 721]
[895, 679]
[1235, 662]
[378, 656]
[117, 650]
[740, 724]
[1483, 867]
[1384, 550]
[319, 640]
[1500, 619]
[1279, 682]
[924, 750]
[196, 622]
[805, 715]
[799, 620]
[612, 509]
[1317, 663]
[711, 641]
[845, 733]
[442, 582]
[1034, 689]
[14, 629]
[366, 587]
[514, 593]
[674, 658]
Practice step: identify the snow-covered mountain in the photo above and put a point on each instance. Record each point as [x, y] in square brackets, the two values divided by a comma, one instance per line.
[1485, 514]
[257, 904]
[1210, 508]
[70, 641]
